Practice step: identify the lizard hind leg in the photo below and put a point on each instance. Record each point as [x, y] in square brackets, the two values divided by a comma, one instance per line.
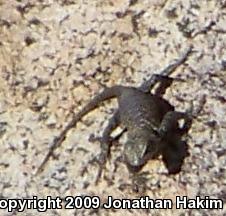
[164, 83]
[153, 80]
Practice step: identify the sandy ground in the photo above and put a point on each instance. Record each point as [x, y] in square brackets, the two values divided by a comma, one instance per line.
[56, 55]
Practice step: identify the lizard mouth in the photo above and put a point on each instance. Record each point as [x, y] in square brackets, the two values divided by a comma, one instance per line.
[132, 168]
[135, 161]
[136, 167]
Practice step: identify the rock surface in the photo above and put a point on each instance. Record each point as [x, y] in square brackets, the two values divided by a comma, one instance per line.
[56, 55]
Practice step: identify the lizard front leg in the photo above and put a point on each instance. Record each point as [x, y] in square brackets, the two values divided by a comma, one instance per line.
[106, 138]
[105, 141]
[175, 149]
[170, 124]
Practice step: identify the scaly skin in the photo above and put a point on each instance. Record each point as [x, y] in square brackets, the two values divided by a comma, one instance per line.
[141, 114]
[151, 122]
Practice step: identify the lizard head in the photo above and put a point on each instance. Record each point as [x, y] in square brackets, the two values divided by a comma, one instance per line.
[134, 153]
[137, 150]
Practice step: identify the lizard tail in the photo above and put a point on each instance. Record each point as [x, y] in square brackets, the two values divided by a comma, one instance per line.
[106, 94]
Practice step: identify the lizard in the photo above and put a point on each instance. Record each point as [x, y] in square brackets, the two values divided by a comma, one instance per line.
[151, 122]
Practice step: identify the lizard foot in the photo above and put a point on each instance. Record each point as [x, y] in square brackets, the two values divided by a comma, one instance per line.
[100, 161]
[139, 182]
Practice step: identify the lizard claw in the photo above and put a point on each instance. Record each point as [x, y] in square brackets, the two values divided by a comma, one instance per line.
[100, 160]
[102, 157]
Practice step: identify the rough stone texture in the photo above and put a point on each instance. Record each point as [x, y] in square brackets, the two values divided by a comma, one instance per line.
[55, 55]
